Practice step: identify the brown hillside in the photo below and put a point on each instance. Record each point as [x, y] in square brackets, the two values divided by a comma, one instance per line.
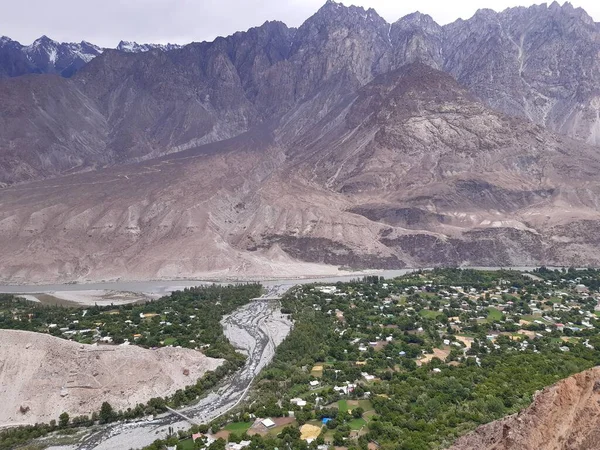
[563, 416]
[42, 376]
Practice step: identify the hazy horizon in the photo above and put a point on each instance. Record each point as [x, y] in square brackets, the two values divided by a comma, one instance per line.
[156, 21]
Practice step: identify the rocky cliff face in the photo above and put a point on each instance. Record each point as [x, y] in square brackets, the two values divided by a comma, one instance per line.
[538, 63]
[563, 416]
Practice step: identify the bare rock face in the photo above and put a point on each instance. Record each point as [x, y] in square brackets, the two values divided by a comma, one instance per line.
[417, 37]
[563, 416]
[62, 130]
[538, 63]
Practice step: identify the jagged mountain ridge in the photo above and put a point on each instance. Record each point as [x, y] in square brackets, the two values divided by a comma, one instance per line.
[410, 170]
[134, 47]
[156, 103]
[46, 55]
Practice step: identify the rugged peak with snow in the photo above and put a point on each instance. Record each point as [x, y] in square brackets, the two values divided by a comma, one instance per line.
[134, 47]
[45, 55]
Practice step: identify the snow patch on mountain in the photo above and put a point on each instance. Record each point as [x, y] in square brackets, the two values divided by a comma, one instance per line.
[134, 47]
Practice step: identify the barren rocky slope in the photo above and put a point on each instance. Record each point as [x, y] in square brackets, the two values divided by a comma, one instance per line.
[563, 416]
[47, 376]
[409, 171]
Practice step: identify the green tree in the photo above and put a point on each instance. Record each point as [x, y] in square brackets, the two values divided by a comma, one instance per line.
[106, 413]
[63, 420]
[358, 412]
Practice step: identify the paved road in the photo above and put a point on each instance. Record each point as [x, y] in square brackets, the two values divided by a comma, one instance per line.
[255, 329]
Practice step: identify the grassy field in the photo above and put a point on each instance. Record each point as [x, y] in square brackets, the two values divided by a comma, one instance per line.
[494, 315]
[365, 404]
[357, 424]
[343, 405]
[188, 444]
[170, 341]
[329, 436]
[428, 314]
[531, 318]
[276, 430]
[238, 427]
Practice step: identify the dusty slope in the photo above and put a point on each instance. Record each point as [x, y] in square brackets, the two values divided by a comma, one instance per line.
[563, 416]
[51, 375]
[409, 171]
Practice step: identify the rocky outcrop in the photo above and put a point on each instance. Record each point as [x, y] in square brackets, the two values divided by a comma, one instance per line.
[563, 416]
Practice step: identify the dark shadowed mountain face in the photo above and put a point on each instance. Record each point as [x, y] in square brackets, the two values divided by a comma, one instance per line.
[347, 141]
[63, 58]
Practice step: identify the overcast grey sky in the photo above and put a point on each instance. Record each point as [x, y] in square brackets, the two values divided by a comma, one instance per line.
[106, 22]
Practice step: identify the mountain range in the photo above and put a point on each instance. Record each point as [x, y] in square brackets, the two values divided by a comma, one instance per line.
[345, 142]
[45, 55]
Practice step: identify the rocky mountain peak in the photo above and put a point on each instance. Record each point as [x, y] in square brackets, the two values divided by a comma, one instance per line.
[339, 13]
[134, 47]
[412, 90]
[417, 19]
[484, 14]
[43, 40]
[416, 37]
[5, 41]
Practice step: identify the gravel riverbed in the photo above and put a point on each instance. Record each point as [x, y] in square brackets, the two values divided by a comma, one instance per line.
[256, 330]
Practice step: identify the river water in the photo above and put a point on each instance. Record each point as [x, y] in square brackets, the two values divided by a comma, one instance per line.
[163, 287]
[166, 286]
